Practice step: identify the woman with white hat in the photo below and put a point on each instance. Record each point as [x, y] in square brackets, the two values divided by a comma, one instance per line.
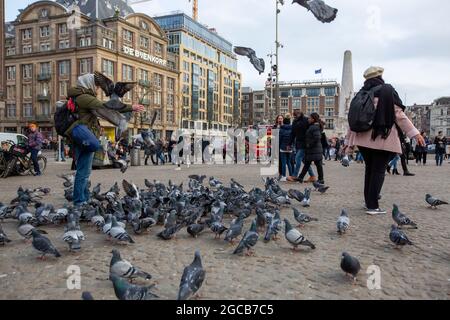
[381, 142]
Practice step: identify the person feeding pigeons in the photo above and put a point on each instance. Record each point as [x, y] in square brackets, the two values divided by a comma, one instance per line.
[85, 131]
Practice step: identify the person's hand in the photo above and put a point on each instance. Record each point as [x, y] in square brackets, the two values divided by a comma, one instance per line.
[138, 108]
[420, 140]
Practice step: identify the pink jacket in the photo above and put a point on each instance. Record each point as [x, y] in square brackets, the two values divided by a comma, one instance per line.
[392, 142]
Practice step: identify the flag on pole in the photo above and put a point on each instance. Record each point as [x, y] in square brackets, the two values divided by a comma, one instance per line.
[319, 71]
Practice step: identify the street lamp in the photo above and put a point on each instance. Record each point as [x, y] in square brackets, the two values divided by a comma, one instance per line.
[277, 46]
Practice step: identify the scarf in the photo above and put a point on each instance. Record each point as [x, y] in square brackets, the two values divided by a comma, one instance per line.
[87, 81]
[385, 114]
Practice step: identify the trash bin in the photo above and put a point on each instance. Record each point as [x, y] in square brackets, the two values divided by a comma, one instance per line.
[135, 155]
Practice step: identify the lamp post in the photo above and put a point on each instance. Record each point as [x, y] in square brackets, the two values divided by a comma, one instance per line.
[277, 46]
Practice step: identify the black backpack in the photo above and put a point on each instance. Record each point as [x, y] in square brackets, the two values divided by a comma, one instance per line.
[65, 116]
[362, 110]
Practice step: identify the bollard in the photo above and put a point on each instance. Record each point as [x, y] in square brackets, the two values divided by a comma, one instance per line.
[135, 155]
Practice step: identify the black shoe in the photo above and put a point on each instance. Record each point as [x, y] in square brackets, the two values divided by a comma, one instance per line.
[408, 174]
[388, 169]
[396, 172]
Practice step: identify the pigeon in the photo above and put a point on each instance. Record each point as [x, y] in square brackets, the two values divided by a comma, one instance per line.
[140, 225]
[258, 63]
[218, 228]
[118, 233]
[98, 220]
[214, 183]
[306, 202]
[3, 237]
[25, 230]
[433, 202]
[195, 229]
[130, 189]
[350, 265]
[169, 233]
[401, 219]
[273, 227]
[302, 218]
[320, 187]
[345, 161]
[86, 295]
[43, 245]
[73, 237]
[192, 278]
[69, 179]
[114, 91]
[294, 237]
[398, 237]
[127, 291]
[248, 241]
[125, 269]
[323, 12]
[296, 194]
[197, 178]
[343, 222]
[235, 229]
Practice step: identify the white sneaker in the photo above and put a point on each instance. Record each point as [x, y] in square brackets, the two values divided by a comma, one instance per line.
[177, 169]
[283, 179]
[374, 212]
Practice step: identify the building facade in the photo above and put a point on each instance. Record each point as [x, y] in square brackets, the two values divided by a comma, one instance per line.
[52, 45]
[247, 107]
[2, 58]
[210, 84]
[440, 117]
[420, 116]
[308, 96]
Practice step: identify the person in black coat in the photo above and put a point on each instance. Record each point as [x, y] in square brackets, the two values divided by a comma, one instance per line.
[314, 150]
[298, 139]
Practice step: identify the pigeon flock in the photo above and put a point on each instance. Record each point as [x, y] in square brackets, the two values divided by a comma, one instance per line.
[200, 208]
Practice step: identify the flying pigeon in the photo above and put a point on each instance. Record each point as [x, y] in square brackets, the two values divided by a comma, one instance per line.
[294, 237]
[323, 12]
[398, 237]
[401, 219]
[127, 291]
[43, 245]
[3, 237]
[114, 91]
[192, 278]
[343, 222]
[130, 189]
[248, 240]
[433, 202]
[302, 218]
[125, 269]
[350, 265]
[258, 63]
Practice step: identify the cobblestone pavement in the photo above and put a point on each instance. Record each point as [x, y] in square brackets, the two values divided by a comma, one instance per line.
[275, 272]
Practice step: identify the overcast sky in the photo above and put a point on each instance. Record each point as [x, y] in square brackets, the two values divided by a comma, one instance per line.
[409, 38]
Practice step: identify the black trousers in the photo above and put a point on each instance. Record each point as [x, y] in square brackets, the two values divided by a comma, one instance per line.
[307, 165]
[376, 162]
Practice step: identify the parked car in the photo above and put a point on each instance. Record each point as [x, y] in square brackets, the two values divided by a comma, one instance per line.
[17, 138]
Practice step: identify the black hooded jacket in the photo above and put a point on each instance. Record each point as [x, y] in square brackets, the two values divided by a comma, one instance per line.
[298, 134]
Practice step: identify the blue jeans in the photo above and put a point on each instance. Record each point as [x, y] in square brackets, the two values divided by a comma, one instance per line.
[34, 159]
[393, 163]
[84, 161]
[439, 158]
[298, 163]
[285, 158]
